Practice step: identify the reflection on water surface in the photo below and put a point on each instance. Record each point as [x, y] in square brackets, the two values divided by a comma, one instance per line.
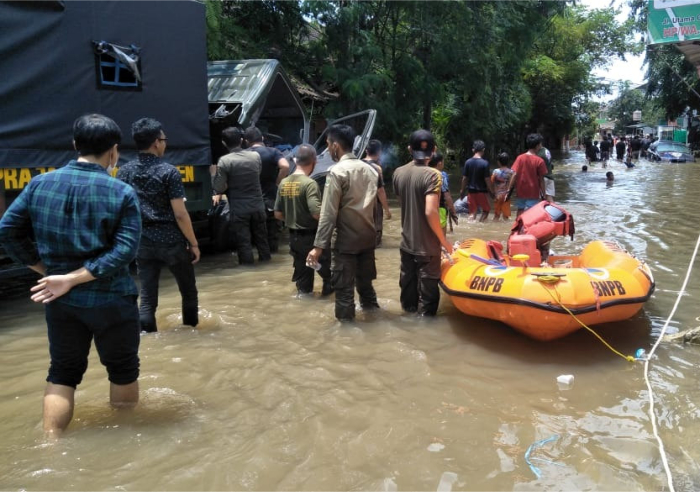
[270, 392]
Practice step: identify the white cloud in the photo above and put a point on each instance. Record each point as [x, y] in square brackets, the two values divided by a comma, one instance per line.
[632, 69]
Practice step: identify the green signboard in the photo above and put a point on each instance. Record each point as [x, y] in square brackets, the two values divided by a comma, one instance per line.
[673, 21]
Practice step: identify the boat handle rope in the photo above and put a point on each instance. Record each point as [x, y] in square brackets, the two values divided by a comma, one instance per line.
[596, 292]
[641, 269]
[551, 280]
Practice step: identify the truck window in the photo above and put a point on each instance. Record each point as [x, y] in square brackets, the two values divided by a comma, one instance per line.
[117, 67]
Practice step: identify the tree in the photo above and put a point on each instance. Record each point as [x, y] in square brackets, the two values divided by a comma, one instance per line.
[262, 29]
[671, 78]
[630, 100]
[558, 71]
[585, 116]
[488, 70]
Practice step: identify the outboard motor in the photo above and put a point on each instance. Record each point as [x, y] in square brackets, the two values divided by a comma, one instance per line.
[536, 227]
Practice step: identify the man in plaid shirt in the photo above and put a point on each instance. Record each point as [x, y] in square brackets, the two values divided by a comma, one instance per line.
[87, 227]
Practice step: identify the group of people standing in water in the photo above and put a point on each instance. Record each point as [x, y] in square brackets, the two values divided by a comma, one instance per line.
[89, 227]
[628, 149]
[530, 177]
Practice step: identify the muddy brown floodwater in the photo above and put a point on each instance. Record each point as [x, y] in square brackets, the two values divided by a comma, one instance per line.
[271, 393]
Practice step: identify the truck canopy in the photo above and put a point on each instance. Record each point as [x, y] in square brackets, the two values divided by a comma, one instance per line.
[244, 93]
[126, 60]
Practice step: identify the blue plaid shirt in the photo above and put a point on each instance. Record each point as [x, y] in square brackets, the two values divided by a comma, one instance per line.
[81, 217]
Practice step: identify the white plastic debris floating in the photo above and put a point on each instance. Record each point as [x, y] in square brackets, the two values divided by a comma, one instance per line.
[446, 481]
[436, 447]
[565, 380]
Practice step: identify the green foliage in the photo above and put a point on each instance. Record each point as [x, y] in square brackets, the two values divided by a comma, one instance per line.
[489, 70]
[442, 115]
[671, 78]
[671, 81]
[558, 72]
[629, 101]
[261, 29]
[542, 69]
[586, 115]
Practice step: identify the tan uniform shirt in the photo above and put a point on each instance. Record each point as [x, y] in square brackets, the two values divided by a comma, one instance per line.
[299, 200]
[348, 207]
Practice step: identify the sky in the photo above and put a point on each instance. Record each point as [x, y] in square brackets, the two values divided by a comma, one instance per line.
[632, 69]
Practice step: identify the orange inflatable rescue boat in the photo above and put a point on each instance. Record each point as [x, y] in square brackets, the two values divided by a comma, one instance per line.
[540, 295]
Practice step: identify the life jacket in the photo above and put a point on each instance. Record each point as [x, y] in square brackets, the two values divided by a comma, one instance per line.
[544, 221]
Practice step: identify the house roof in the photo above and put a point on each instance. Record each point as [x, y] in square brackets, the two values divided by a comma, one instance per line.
[691, 50]
[306, 90]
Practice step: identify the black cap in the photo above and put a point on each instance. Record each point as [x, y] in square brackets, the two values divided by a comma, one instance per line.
[422, 145]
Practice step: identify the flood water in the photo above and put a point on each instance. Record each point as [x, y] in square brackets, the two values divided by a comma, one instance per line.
[271, 393]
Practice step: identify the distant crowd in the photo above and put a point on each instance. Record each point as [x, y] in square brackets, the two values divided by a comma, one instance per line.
[627, 148]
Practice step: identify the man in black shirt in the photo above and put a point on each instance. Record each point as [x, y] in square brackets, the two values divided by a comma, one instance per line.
[605, 147]
[476, 180]
[646, 142]
[274, 169]
[620, 149]
[636, 146]
[168, 239]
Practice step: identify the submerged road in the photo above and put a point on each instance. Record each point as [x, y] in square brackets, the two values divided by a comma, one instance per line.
[271, 393]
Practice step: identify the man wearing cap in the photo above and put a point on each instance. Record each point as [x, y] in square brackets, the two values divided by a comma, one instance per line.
[418, 188]
[348, 209]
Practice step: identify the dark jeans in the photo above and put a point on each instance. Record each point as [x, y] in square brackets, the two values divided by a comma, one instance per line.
[419, 283]
[350, 272]
[113, 325]
[300, 243]
[249, 229]
[378, 222]
[151, 258]
[273, 232]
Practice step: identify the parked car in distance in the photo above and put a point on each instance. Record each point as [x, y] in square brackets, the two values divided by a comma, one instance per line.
[669, 151]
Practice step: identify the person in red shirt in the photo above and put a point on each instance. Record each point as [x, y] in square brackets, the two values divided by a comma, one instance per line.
[528, 175]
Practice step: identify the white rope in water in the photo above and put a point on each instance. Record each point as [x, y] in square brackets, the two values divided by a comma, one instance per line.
[652, 415]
